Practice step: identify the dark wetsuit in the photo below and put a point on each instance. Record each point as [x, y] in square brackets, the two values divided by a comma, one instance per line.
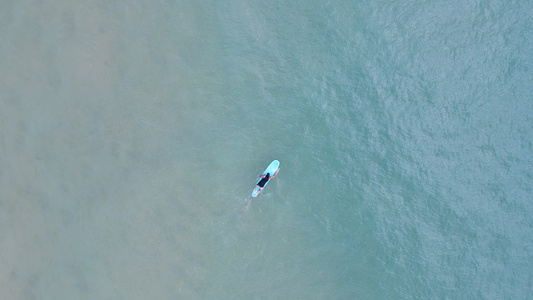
[263, 181]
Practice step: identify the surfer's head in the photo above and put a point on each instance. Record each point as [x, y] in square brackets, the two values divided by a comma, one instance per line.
[267, 175]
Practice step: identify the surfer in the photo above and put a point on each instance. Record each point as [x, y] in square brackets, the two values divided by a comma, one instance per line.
[265, 179]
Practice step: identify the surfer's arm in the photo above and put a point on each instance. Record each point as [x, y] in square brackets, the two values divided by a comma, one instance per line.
[275, 174]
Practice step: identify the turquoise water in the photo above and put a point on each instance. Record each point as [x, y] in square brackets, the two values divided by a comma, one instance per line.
[132, 132]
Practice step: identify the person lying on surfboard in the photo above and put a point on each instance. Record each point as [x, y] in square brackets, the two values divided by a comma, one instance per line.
[265, 179]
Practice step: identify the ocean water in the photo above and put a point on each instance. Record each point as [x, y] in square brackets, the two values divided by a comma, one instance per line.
[132, 132]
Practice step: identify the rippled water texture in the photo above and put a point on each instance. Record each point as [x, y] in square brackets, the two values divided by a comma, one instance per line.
[132, 133]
